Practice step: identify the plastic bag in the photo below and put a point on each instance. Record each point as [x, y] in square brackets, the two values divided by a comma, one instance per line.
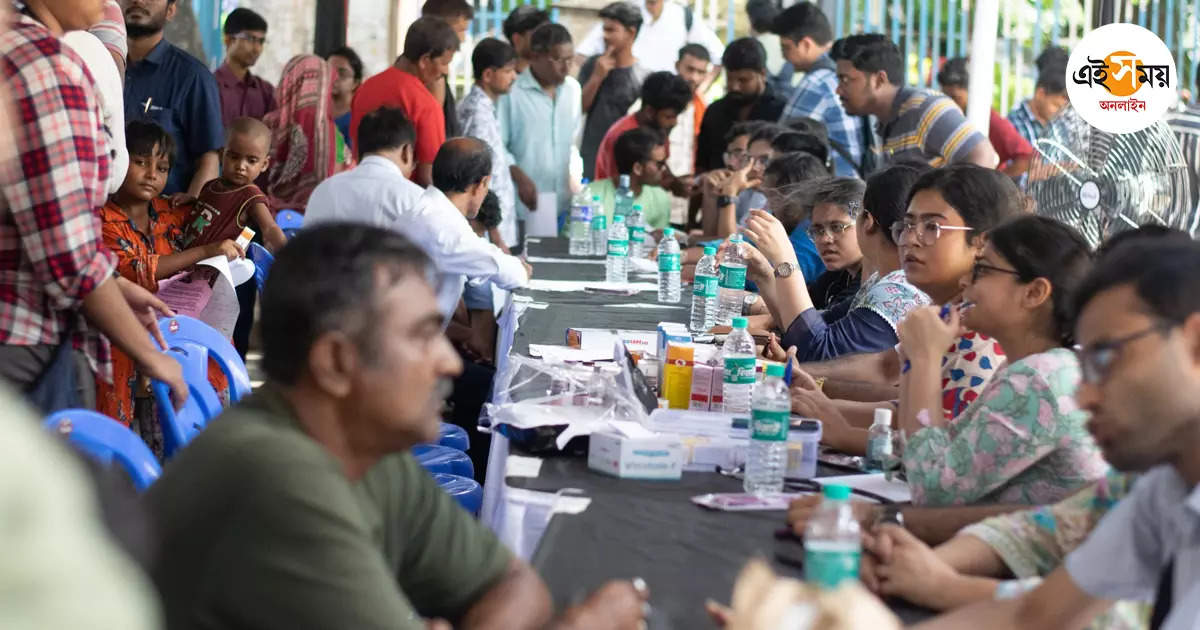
[543, 406]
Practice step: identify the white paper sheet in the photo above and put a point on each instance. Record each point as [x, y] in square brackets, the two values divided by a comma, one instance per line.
[544, 222]
[895, 490]
[580, 285]
[563, 353]
[533, 260]
[521, 466]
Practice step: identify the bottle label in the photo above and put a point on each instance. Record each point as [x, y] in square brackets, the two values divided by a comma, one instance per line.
[599, 222]
[668, 262]
[637, 234]
[769, 425]
[739, 371]
[704, 286]
[732, 277]
[618, 248]
[829, 568]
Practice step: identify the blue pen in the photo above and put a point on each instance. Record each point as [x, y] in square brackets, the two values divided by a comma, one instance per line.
[944, 313]
[787, 373]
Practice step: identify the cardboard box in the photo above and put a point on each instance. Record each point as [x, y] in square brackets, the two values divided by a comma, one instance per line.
[677, 374]
[666, 333]
[703, 367]
[637, 341]
[631, 451]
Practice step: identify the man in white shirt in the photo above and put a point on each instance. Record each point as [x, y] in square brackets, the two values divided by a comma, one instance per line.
[378, 192]
[1139, 328]
[666, 27]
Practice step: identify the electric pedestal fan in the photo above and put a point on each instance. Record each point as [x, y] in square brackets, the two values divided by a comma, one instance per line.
[1103, 183]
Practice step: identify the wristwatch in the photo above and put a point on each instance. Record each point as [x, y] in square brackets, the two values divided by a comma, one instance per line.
[891, 513]
[724, 200]
[784, 269]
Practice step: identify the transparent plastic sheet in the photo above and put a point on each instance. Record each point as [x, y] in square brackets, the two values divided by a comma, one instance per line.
[542, 405]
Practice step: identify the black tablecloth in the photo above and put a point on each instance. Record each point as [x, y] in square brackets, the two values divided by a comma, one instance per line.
[638, 528]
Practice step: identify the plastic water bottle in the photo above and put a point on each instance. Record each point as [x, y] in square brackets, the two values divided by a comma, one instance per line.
[879, 441]
[624, 202]
[599, 228]
[668, 268]
[580, 243]
[737, 355]
[766, 460]
[832, 541]
[617, 263]
[731, 278]
[704, 292]
[598, 389]
[637, 232]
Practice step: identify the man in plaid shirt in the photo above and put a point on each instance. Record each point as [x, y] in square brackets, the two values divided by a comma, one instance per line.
[806, 38]
[56, 278]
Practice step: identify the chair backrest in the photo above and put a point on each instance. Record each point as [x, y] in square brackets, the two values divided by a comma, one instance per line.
[195, 337]
[179, 427]
[105, 439]
[262, 260]
[454, 436]
[443, 459]
[289, 221]
[467, 492]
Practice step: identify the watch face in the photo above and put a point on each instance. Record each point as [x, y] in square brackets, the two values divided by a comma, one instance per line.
[783, 270]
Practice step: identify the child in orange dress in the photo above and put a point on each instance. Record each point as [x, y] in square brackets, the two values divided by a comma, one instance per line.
[143, 230]
[231, 202]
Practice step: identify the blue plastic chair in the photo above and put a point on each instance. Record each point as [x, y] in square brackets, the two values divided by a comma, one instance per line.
[443, 459]
[262, 260]
[289, 221]
[467, 492]
[179, 427]
[454, 436]
[105, 439]
[196, 337]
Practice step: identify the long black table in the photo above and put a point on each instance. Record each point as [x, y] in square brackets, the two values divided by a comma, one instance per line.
[651, 530]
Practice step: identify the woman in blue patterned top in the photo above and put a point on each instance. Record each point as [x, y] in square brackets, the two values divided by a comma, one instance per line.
[867, 322]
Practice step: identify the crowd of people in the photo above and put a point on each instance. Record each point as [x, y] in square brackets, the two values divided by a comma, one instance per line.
[1047, 393]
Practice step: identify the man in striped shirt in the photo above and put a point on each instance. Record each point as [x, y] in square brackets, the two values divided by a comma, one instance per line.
[915, 124]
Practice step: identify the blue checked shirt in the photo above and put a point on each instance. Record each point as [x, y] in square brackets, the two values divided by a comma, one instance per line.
[1027, 125]
[816, 97]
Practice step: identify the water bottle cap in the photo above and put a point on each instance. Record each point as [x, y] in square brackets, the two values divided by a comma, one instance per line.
[619, 219]
[596, 198]
[775, 370]
[624, 180]
[883, 417]
[637, 206]
[837, 492]
[710, 250]
[739, 322]
[585, 181]
[668, 232]
[736, 238]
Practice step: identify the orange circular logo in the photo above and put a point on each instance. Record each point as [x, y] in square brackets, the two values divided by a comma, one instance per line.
[1122, 79]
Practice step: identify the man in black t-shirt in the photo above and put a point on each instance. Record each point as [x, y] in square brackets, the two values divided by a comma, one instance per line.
[611, 82]
[748, 98]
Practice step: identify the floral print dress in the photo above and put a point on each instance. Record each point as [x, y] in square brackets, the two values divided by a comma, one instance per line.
[1022, 441]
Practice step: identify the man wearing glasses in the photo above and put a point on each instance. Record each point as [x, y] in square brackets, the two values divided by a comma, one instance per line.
[1139, 330]
[640, 153]
[242, 93]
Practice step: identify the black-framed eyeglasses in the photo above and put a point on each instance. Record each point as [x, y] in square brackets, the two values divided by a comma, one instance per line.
[761, 159]
[979, 269]
[927, 231]
[735, 156]
[819, 231]
[1097, 359]
[252, 39]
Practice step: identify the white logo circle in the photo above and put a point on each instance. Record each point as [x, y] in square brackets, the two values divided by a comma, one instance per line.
[1121, 78]
[1089, 195]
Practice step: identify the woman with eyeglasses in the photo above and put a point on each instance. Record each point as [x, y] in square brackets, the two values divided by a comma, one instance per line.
[1024, 439]
[845, 236]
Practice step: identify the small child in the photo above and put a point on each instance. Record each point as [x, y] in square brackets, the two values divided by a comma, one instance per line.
[231, 202]
[487, 221]
[142, 229]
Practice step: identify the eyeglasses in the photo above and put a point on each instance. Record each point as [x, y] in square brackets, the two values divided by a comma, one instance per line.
[761, 159]
[979, 267]
[1097, 359]
[735, 156]
[252, 39]
[927, 231]
[817, 231]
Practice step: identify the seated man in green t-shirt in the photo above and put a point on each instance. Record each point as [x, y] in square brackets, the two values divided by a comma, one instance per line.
[299, 508]
[640, 153]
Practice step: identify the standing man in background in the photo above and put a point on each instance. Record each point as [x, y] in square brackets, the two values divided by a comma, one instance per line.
[666, 27]
[347, 76]
[539, 116]
[458, 14]
[762, 14]
[429, 46]
[693, 67]
[1014, 151]
[747, 97]
[175, 90]
[242, 93]
[805, 39]
[612, 81]
[518, 26]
